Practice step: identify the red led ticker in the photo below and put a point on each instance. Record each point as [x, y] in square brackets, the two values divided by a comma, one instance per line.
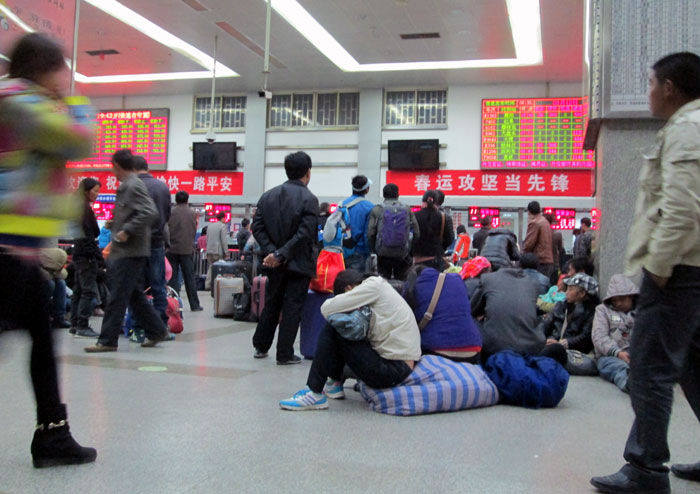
[564, 219]
[103, 210]
[212, 211]
[476, 214]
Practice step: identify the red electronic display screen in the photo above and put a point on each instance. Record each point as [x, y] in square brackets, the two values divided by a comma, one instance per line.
[103, 210]
[477, 215]
[211, 211]
[534, 133]
[564, 219]
[145, 132]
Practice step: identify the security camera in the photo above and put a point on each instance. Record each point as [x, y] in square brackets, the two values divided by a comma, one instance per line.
[210, 137]
[264, 93]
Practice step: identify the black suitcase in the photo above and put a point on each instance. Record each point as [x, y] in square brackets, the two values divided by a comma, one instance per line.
[236, 268]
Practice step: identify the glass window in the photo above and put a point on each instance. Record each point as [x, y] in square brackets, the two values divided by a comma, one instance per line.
[326, 109]
[232, 116]
[349, 109]
[303, 110]
[281, 110]
[314, 110]
[412, 108]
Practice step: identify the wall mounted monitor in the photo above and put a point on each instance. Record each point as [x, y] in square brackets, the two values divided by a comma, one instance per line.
[414, 154]
[214, 156]
[144, 131]
[534, 133]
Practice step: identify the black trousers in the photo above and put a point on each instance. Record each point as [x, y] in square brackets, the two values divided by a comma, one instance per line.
[393, 267]
[125, 279]
[665, 350]
[184, 261]
[84, 292]
[286, 294]
[25, 302]
[333, 352]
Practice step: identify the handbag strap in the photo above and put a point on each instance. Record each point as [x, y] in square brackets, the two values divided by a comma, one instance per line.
[428, 316]
[442, 226]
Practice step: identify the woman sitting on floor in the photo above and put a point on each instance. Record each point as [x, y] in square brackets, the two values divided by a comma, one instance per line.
[381, 359]
[450, 330]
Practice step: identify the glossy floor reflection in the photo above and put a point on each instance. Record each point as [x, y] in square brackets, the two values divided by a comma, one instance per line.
[210, 423]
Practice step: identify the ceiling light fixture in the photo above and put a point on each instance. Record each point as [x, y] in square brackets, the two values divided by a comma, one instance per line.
[140, 23]
[524, 17]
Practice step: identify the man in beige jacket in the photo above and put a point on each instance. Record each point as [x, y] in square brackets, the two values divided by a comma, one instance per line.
[665, 242]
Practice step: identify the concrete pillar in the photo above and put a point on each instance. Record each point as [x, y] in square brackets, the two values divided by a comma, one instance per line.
[370, 140]
[255, 134]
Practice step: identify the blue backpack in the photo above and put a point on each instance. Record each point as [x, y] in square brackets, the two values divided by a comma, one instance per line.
[526, 380]
[337, 234]
[394, 232]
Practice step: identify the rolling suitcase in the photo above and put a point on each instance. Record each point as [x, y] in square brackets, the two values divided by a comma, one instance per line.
[312, 322]
[233, 268]
[224, 289]
[257, 297]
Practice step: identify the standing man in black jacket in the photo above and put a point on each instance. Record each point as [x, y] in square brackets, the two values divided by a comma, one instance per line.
[155, 268]
[285, 225]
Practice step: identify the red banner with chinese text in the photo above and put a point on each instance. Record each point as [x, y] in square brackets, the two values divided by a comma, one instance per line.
[570, 183]
[192, 182]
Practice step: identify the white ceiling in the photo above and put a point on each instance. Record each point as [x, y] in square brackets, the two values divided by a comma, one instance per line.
[368, 29]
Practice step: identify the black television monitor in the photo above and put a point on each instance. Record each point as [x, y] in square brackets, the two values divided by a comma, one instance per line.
[214, 156]
[414, 154]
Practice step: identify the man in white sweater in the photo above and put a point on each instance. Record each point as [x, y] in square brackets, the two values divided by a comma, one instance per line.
[382, 360]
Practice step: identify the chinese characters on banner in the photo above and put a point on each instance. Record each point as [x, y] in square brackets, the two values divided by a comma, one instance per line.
[571, 183]
[55, 18]
[192, 182]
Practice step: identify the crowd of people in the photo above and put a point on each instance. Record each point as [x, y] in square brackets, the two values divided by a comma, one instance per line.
[500, 294]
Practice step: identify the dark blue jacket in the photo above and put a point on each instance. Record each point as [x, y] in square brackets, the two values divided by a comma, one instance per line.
[452, 325]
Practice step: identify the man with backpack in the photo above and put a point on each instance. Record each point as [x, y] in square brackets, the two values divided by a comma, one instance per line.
[347, 226]
[390, 233]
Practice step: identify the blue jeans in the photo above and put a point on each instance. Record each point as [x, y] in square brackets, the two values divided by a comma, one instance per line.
[57, 287]
[356, 261]
[614, 370]
[665, 350]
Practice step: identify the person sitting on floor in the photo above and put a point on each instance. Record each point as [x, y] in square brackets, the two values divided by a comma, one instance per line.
[528, 263]
[383, 359]
[472, 271]
[554, 295]
[501, 248]
[612, 330]
[570, 324]
[450, 330]
[579, 265]
[504, 307]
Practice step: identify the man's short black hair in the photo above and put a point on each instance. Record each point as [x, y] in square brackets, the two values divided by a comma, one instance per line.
[140, 163]
[346, 277]
[461, 229]
[182, 197]
[124, 159]
[35, 55]
[534, 207]
[324, 207]
[683, 69]
[487, 221]
[359, 185]
[582, 265]
[528, 260]
[586, 221]
[441, 197]
[245, 222]
[549, 217]
[390, 191]
[221, 216]
[297, 165]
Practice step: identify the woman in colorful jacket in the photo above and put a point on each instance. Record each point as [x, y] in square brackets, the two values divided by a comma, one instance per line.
[38, 133]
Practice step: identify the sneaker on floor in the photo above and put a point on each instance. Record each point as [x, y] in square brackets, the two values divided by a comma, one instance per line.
[259, 354]
[138, 336]
[305, 400]
[197, 309]
[151, 342]
[100, 348]
[334, 391]
[85, 333]
[294, 359]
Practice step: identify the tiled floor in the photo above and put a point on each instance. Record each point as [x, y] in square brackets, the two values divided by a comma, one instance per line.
[210, 423]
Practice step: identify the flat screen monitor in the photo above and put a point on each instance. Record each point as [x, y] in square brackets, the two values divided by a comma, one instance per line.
[214, 156]
[414, 154]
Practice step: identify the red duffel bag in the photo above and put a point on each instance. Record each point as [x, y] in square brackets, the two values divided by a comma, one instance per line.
[329, 264]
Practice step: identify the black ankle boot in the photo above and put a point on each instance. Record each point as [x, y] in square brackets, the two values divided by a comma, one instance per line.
[53, 444]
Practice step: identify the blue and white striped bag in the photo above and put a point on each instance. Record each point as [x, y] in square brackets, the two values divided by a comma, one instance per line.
[436, 384]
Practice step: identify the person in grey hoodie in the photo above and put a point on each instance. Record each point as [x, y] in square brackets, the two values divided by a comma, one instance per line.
[134, 213]
[612, 330]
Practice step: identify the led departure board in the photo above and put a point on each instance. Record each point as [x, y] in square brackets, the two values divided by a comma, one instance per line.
[145, 132]
[103, 210]
[212, 210]
[564, 219]
[534, 133]
[477, 215]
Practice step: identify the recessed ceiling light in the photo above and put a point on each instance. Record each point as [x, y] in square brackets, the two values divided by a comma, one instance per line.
[524, 16]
